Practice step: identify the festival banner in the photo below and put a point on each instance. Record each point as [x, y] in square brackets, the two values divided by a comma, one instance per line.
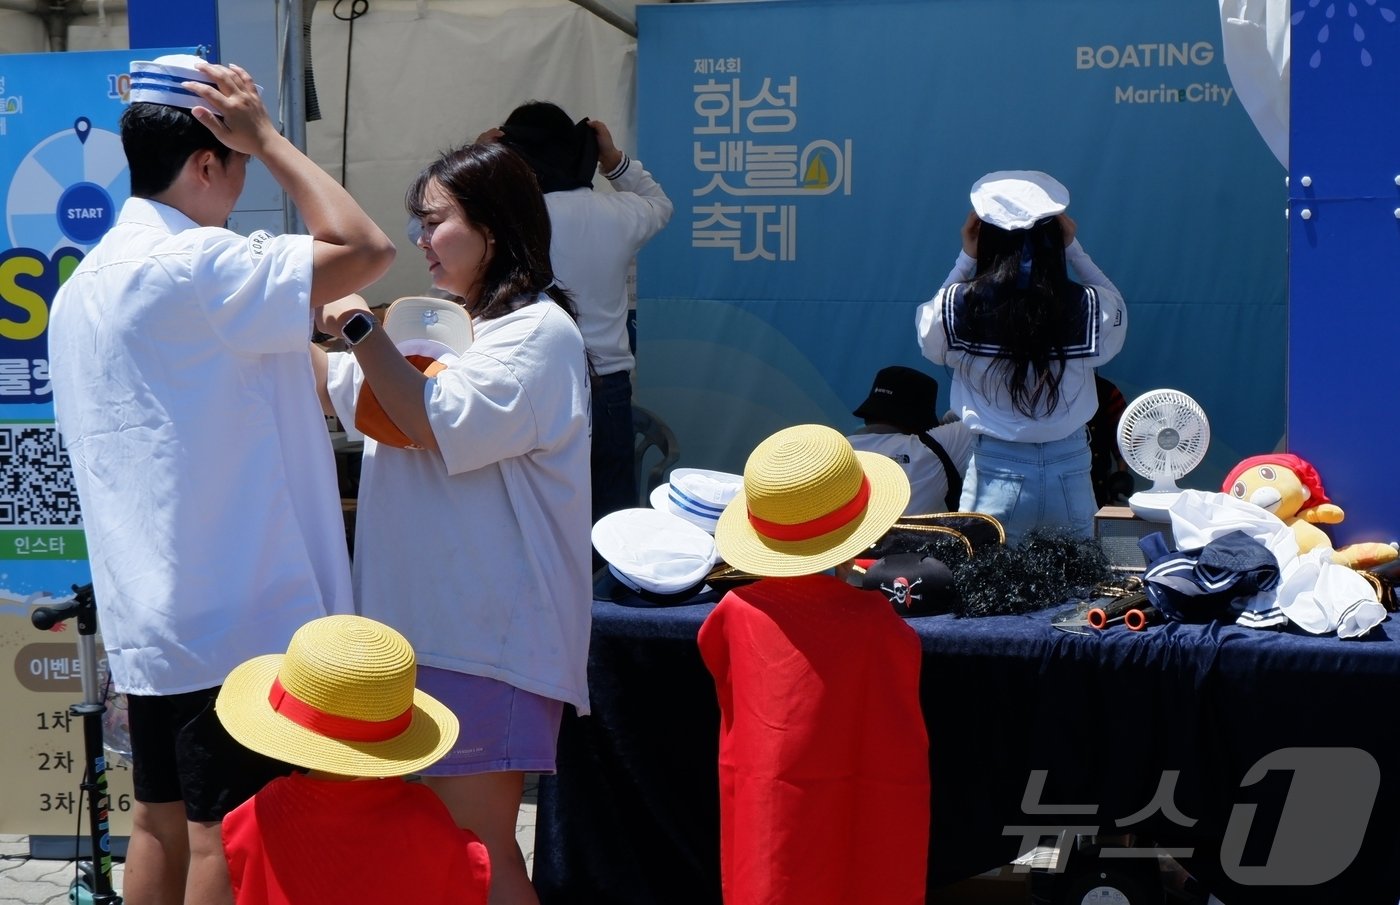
[63, 178]
[820, 153]
[1344, 257]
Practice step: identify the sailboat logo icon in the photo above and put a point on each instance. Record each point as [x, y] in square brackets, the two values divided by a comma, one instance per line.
[818, 173]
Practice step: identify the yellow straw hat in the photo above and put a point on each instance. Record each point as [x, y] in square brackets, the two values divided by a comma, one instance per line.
[342, 699]
[810, 502]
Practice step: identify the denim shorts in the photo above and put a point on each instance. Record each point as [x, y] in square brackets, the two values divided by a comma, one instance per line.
[503, 729]
[1032, 485]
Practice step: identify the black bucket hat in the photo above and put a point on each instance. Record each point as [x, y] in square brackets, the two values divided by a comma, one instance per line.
[903, 397]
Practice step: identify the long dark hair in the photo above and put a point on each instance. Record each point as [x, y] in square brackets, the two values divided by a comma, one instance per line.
[1023, 296]
[496, 190]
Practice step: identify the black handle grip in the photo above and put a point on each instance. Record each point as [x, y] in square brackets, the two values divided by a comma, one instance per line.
[46, 617]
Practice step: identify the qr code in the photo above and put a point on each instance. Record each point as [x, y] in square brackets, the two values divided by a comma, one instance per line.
[36, 481]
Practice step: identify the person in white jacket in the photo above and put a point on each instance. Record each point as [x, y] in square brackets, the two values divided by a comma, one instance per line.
[595, 236]
[1023, 339]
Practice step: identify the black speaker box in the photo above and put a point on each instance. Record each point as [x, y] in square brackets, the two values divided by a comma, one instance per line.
[1118, 531]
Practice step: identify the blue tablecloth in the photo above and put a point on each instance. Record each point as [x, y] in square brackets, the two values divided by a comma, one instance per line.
[1096, 726]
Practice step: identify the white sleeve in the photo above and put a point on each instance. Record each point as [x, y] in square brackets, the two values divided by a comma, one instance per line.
[1113, 313]
[933, 340]
[929, 319]
[964, 269]
[646, 207]
[480, 413]
[256, 290]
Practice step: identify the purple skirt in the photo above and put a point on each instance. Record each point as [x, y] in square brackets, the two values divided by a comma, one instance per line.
[503, 729]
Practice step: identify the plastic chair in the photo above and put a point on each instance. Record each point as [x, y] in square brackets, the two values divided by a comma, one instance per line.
[652, 433]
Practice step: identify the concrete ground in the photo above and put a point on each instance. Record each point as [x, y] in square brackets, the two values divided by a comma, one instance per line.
[29, 881]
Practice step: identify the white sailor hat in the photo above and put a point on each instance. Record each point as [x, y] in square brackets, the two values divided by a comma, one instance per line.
[697, 495]
[420, 324]
[1018, 199]
[159, 81]
[661, 558]
[432, 334]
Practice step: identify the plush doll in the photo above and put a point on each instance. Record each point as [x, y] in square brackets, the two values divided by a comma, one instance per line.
[1290, 488]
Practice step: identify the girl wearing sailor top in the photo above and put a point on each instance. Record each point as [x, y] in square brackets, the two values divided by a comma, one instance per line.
[1022, 340]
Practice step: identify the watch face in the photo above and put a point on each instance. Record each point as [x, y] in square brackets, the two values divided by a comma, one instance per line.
[357, 327]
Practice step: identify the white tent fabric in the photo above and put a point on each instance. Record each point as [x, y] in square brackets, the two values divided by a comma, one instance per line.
[24, 32]
[1255, 37]
[21, 32]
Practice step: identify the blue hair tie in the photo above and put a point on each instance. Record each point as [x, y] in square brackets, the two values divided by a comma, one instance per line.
[1023, 278]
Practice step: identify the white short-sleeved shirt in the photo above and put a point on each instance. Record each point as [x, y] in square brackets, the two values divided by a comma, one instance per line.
[928, 483]
[981, 400]
[183, 389]
[481, 556]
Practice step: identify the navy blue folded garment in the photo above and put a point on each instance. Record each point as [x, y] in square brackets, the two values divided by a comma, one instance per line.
[1213, 582]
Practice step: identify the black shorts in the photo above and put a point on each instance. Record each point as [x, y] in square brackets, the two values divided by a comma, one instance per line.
[181, 752]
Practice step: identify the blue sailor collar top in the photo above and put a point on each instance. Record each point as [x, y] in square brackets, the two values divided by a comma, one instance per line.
[948, 336]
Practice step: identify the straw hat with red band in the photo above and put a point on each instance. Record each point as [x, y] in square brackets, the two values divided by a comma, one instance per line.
[342, 700]
[810, 502]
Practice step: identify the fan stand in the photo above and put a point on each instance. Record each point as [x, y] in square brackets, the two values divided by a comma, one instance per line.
[1154, 504]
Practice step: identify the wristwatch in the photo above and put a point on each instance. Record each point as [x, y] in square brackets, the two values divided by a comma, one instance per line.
[357, 328]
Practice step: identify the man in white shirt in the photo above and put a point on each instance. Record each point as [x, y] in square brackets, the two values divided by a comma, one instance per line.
[901, 421]
[183, 389]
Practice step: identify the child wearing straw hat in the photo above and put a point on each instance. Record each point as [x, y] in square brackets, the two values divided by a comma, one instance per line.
[342, 703]
[823, 754]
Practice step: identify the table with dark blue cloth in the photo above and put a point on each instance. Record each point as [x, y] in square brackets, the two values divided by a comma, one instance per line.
[1266, 761]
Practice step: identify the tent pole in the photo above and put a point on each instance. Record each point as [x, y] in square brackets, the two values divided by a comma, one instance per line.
[292, 93]
[602, 12]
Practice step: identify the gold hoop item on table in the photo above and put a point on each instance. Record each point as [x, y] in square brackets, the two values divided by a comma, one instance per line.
[981, 529]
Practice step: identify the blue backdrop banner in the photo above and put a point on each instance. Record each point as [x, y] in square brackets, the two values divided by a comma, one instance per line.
[820, 156]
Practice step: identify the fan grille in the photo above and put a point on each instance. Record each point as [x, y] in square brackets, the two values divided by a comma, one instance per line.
[1163, 434]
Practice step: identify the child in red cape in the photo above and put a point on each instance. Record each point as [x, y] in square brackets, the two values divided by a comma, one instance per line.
[342, 703]
[823, 754]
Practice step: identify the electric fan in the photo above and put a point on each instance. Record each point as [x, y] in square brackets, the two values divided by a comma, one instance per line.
[1162, 435]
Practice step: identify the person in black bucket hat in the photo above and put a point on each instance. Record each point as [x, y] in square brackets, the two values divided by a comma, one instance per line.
[901, 422]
